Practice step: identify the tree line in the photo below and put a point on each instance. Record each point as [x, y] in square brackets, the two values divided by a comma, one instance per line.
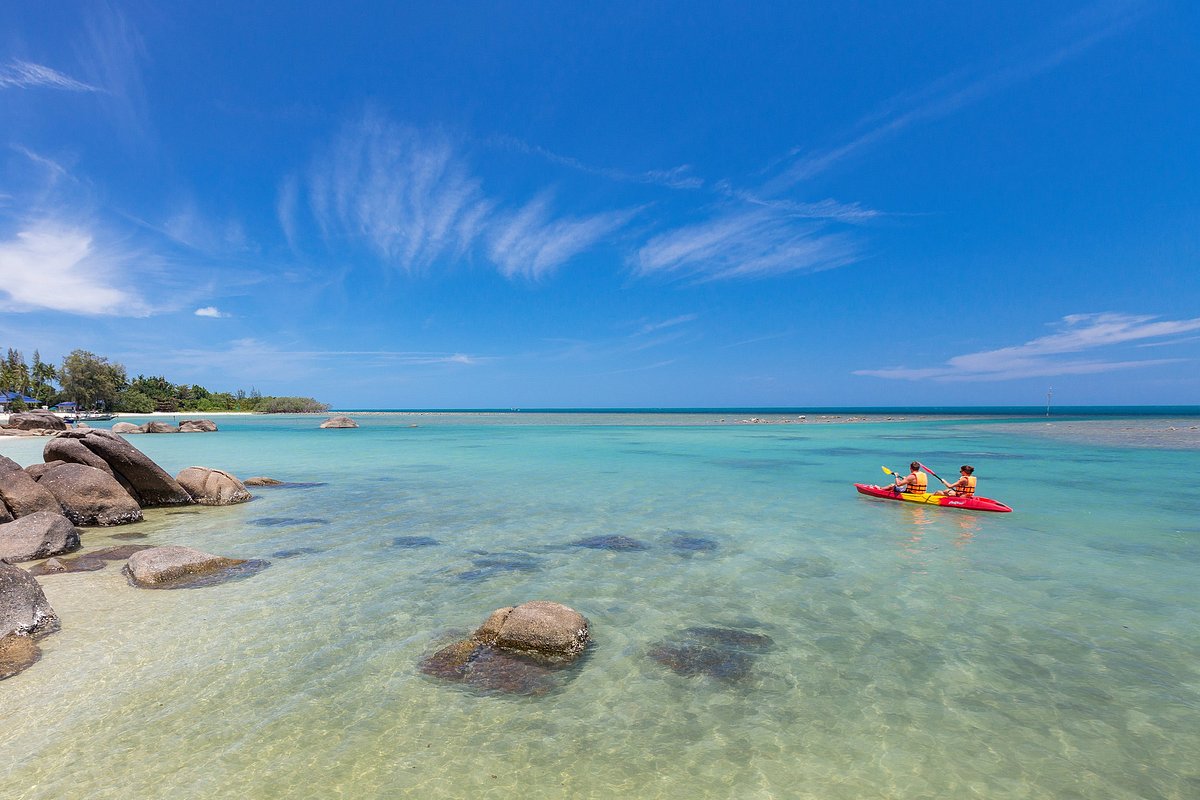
[93, 381]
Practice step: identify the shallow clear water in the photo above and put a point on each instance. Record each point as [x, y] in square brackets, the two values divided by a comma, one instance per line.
[1050, 653]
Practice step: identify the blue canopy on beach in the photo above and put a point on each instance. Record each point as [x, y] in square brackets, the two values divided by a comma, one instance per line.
[8, 397]
[69, 405]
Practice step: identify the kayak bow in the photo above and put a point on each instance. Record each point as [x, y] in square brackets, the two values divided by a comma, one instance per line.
[968, 503]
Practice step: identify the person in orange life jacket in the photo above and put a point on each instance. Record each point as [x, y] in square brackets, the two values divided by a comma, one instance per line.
[964, 486]
[916, 482]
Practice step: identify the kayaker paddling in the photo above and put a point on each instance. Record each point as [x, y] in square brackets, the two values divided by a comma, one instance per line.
[915, 482]
[964, 486]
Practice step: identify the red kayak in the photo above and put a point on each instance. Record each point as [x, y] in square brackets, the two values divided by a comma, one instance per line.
[969, 503]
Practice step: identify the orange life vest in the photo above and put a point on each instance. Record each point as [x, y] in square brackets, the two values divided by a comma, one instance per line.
[969, 489]
[919, 485]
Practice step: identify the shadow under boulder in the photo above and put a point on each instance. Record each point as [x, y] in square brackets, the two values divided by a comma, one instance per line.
[520, 650]
[724, 653]
[25, 616]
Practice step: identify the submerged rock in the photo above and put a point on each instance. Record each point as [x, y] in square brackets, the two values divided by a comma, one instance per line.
[118, 553]
[295, 551]
[17, 653]
[287, 522]
[723, 653]
[619, 543]
[492, 564]
[61, 566]
[339, 422]
[38, 535]
[90, 496]
[517, 650]
[688, 544]
[212, 487]
[414, 541]
[172, 566]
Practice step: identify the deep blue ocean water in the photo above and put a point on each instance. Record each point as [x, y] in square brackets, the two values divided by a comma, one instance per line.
[915, 652]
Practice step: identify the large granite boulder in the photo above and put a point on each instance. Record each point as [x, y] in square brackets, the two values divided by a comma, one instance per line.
[212, 487]
[36, 420]
[125, 427]
[38, 535]
[24, 610]
[20, 494]
[36, 471]
[197, 426]
[160, 567]
[339, 422]
[146, 482]
[518, 650]
[90, 496]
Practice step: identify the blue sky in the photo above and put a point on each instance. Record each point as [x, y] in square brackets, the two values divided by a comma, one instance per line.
[641, 204]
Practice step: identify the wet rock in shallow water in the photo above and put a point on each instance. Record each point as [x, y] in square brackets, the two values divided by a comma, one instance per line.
[287, 522]
[36, 420]
[414, 541]
[197, 426]
[262, 480]
[17, 653]
[518, 650]
[61, 566]
[339, 422]
[610, 543]
[723, 653]
[173, 566]
[38, 535]
[684, 543]
[157, 427]
[212, 487]
[125, 427]
[130, 535]
[237, 572]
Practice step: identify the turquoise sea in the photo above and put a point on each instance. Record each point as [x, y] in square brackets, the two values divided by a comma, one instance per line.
[916, 653]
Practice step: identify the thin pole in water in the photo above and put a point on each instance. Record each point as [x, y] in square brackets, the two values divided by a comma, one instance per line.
[1049, 394]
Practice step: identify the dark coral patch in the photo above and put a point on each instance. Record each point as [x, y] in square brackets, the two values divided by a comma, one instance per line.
[489, 566]
[683, 543]
[723, 653]
[414, 541]
[618, 543]
[287, 522]
[296, 551]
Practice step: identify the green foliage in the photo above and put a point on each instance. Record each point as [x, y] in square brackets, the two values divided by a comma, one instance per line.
[133, 401]
[89, 379]
[290, 405]
[17, 404]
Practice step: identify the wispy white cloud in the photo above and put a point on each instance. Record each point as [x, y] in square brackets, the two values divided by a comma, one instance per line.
[651, 327]
[406, 194]
[679, 177]
[949, 93]
[111, 53]
[210, 311]
[1043, 357]
[53, 267]
[531, 243]
[27, 75]
[747, 244]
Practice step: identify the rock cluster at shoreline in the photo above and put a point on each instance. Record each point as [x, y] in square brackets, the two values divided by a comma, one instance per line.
[95, 478]
[339, 422]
